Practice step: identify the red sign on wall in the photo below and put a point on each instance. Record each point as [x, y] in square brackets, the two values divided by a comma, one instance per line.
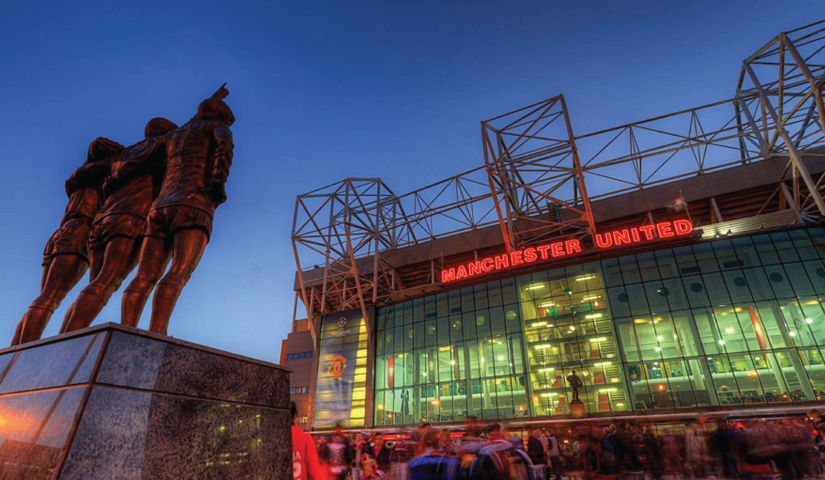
[565, 248]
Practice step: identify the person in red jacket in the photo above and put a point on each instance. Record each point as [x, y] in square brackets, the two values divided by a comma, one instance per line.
[304, 457]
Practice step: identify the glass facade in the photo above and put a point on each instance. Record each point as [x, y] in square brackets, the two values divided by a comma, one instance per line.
[722, 323]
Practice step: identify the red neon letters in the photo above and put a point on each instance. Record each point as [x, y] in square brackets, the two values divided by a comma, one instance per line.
[616, 238]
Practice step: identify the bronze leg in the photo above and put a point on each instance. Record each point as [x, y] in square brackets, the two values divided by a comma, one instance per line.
[64, 273]
[118, 260]
[19, 330]
[153, 259]
[96, 258]
[186, 253]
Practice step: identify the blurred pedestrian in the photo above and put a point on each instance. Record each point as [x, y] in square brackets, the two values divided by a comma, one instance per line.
[305, 464]
[340, 454]
[434, 463]
[380, 452]
[554, 456]
[500, 460]
[371, 471]
[537, 454]
[470, 444]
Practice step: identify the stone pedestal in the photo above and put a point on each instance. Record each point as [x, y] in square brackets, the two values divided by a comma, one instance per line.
[115, 402]
[577, 409]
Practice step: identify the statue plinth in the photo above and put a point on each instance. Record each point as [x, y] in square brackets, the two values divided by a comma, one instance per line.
[117, 402]
[577, 409]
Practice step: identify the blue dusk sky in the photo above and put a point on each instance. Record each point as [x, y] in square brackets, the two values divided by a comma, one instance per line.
[324, 91]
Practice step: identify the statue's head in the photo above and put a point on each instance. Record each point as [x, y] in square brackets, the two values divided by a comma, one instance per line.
[214, 108]
[158, 126]
[102, 149]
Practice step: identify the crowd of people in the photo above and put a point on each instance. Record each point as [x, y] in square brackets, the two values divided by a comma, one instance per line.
[784, 448]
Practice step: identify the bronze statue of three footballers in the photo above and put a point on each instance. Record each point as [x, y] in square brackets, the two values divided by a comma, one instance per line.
[143, 205]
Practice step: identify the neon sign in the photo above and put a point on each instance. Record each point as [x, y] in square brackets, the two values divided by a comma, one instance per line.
[565, 248]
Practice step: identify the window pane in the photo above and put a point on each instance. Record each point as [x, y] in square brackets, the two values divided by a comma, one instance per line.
[758, 283]
[726, 255]
[784, 247]
[456, 329]
[618, 301]
[765, 249]
[630, 269]
[716, 289]
[656, 296]
[771, 378]
[816, 274]
[612, 273]
[686, 260]
[647, 266]
[667, 263]
[815, 368]
[480, 294]
[712, 342]
[705, 257]
[637, 299]
[737, 286]
[799, 279]
[746, 252]
[678, 379]
[804, 246]
[695, 290]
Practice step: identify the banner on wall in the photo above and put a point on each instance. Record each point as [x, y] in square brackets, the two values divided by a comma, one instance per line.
[337, 359]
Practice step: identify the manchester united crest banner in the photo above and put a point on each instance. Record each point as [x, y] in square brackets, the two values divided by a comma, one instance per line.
[340, 392]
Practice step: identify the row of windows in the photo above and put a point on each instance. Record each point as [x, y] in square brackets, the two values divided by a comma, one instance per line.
[298, 356]
[298, 390]
[704, 258]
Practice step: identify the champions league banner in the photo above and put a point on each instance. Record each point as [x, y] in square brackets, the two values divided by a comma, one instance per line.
[341, 334]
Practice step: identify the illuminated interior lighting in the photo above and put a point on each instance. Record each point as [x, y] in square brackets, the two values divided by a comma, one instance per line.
[620, 404]
[549, 394]
[721, 342]
[542, 346]
[452, 362]
[658, 349]
[380, 407]
[659, 338]
[543, 370]
[501, 357]
[614, 380]
[586, 277]
[538, 324]
[599, 339]
[545, 305]
[594, 297]
[535, 286]
[729, 330]
[594, 316]
[603, 364]
[809, 320]
[608, 390]
[793, 334]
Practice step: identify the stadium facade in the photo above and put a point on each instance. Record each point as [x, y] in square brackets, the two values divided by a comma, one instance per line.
[675, 264]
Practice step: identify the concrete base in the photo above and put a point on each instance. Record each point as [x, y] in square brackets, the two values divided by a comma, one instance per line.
[115, 402]
[577, 409]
